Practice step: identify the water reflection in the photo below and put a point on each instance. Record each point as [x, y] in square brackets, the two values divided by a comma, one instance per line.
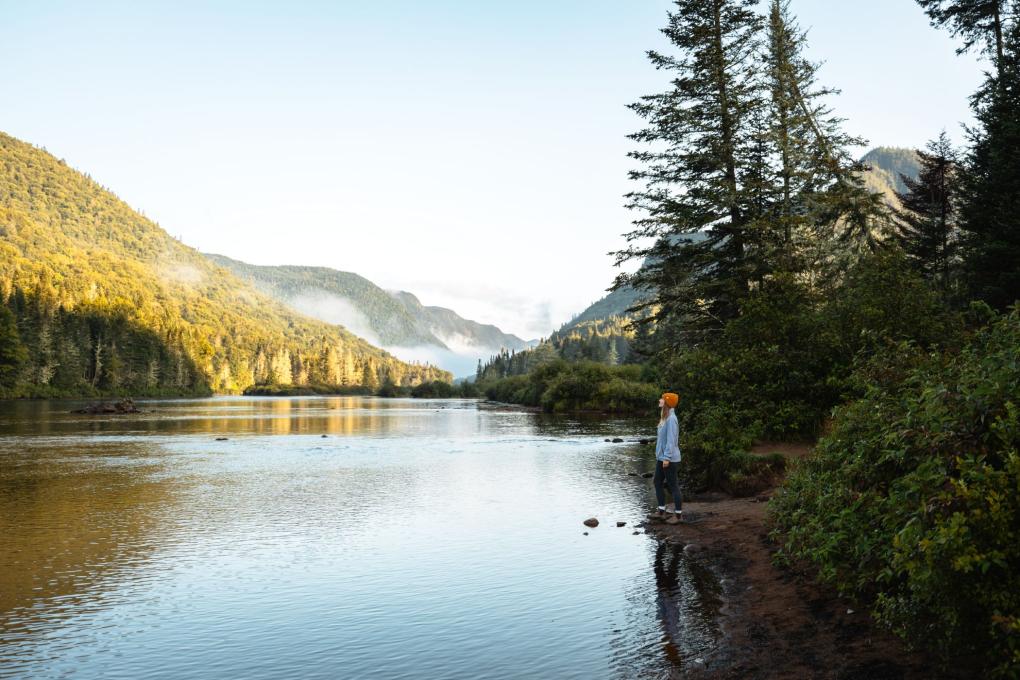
[687, 599]
[72, 525]
[425, 539]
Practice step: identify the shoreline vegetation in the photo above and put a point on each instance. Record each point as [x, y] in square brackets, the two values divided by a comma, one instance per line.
[783, 300]
[778, 621]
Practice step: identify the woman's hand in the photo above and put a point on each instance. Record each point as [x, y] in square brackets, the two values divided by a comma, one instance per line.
[665, 464]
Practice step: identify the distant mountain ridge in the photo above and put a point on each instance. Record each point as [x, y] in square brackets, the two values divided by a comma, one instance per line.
[456, 331]
[886, 164]
[397, 321]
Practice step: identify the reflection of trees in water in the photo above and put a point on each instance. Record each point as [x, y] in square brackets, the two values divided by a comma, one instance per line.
[300, 415]
[220, 416]
[72, 520]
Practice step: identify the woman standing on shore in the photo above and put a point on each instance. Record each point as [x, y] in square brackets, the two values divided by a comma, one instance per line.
[667, 459]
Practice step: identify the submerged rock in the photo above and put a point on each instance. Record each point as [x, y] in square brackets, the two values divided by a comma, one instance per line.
[632, 474]
[647, 475]
[106, 407]
[221, 439]
[617, 441]
[586, 533]
[591, 522]
[621, 524]
[644, 441]
[636, 533]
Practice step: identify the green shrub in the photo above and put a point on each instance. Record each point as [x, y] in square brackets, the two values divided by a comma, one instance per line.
[469, 390]
[559, 387]
[785, 361]
[391, 390]
[715, 448]
[436, 389]
[913, 501]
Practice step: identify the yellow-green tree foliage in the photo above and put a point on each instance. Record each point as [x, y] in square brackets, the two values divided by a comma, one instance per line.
[108, 302]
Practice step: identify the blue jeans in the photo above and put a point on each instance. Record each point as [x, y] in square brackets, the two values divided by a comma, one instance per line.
[667, 475]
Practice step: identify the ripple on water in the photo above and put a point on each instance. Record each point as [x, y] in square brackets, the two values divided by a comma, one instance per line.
[414, 541]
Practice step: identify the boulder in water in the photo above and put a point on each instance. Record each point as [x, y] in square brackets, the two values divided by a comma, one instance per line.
[591, 522]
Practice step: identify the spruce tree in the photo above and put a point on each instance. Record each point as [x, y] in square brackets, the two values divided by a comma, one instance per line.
[991, 185]
[747, 173]
[693, 168]
[927, 221]
[979, 23]
[819, 192]
[12, 351]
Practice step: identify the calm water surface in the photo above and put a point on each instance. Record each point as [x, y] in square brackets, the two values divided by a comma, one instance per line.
[418, 539]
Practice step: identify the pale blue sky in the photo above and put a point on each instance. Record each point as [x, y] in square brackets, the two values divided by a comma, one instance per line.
[470, 152]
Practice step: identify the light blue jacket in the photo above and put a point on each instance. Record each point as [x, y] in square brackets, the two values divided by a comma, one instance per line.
[667, 446]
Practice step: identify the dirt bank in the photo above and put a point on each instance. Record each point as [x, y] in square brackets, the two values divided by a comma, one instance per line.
[777, 623]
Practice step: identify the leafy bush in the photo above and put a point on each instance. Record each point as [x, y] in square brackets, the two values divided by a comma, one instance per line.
[559, 386]
[436, 389]
[390, 390]
[716, 454]
[913, 501]
[785, 361]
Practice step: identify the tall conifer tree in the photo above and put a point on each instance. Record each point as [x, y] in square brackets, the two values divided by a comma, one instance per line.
[744, 164]
[819, 192]
[693, 167]
[981, 24]
[991, 187]
[927, 227]
[12, 351]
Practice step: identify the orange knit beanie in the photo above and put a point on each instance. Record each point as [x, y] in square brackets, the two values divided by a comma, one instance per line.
[671, 399]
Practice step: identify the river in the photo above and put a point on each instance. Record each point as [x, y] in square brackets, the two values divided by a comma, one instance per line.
[335, 537]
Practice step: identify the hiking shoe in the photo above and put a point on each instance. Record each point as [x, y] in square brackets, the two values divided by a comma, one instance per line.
[657, 516]
[674, 518]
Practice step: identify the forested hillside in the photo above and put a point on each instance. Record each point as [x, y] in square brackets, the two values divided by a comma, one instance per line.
[105, 301]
